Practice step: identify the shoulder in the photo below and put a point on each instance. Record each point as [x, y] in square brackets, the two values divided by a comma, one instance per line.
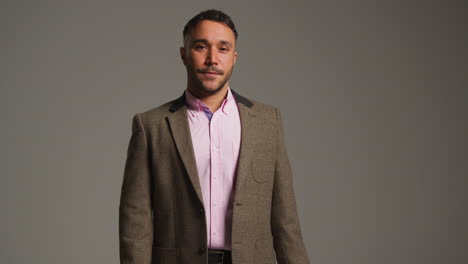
[265, 111]
[263, 108]
[157, 113]
[153, 115]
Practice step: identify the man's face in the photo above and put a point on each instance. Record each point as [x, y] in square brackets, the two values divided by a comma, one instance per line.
[209, 56]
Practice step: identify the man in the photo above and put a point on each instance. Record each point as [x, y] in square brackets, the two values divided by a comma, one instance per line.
[207, 177]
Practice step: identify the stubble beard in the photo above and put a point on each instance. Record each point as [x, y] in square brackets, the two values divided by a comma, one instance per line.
[197, 83]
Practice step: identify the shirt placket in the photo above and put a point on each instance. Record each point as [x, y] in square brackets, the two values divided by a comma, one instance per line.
[214, 176]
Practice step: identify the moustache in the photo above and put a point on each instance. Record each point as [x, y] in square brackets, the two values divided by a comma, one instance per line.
[211, 69]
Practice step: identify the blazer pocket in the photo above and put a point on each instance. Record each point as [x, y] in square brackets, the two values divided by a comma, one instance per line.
[164, 255]
[264, 251]
[262, 169]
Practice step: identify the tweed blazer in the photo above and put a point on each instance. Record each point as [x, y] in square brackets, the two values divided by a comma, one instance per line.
[161, 211]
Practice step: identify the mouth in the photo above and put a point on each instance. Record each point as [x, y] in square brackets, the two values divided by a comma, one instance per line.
[211, 73]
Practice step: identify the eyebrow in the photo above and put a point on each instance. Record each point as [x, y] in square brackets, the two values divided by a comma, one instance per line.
[224, 42]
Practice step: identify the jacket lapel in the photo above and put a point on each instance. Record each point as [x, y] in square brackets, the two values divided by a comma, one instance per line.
[180, 129]
[247, 119]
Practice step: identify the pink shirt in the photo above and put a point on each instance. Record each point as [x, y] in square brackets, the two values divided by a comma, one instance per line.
[216, 144]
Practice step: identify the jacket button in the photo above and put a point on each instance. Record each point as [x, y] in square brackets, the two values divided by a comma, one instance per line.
[202, 210]
[201, 251]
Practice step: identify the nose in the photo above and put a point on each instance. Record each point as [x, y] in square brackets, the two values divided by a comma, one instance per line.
[211, 57]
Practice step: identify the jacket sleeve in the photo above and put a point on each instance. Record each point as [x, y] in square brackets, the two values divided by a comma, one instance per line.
[286, 230]
[135, 210]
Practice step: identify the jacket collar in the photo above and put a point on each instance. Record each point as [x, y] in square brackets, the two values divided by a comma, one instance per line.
[180, 130]
[179, 102]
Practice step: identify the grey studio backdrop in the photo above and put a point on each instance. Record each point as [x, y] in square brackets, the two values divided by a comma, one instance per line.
[373, 96]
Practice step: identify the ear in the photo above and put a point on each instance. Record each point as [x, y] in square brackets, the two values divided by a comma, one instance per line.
[235, 57]
[182, 54]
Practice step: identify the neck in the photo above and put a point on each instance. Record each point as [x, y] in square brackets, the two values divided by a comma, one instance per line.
[212, 100]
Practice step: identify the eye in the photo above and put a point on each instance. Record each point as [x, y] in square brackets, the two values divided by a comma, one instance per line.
[200, 47]
[224, 49]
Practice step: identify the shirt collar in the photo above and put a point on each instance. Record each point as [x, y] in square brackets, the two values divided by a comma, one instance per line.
[197, 106]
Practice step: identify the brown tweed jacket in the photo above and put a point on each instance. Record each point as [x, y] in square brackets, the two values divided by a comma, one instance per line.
[161, 212]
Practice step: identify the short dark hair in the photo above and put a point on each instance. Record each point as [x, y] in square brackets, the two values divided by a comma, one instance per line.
[210, 14]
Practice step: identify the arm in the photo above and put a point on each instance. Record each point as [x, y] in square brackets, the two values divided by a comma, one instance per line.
[286, 230]
[135, 212]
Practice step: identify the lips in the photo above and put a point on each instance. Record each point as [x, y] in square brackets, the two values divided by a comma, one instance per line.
[211, 73]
